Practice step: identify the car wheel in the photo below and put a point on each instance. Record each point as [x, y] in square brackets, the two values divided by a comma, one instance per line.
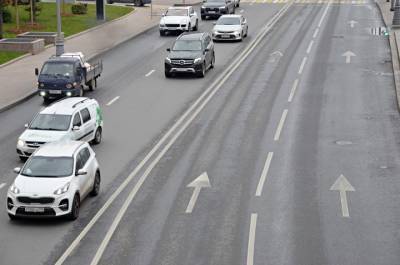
[110, 2]
[189, 28]
[46, 100]
[196, 27]
[81, 92]
[202, 73]
[12, 217]
[76, 204]
[23, 158]
[96, 185]
[97, 136]
[241, 36]
[168, 74]
[162, 33]
[203, 17]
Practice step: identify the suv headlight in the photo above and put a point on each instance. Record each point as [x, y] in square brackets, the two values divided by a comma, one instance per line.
[21, 143]
[168, 60]
[197, 60]
[62, 190]
[14, 189]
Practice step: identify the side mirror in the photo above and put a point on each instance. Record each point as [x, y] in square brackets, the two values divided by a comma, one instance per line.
[163, 14]
[36, 71]
[81, 172]
[76, 128]
[214, 23]
[168, 49]
[17, 170]
[244, 22]
[26, 125]
[207, 50]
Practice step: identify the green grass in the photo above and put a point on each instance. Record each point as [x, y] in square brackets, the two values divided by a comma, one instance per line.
[8, 56]
[47, 21]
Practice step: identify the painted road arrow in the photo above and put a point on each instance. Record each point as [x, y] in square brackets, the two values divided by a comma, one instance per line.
[201, 182]
[343, 185]
[352, 23]
[348, 56]
[275, 56]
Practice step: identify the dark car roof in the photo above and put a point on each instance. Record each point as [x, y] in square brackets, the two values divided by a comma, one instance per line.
[63, 59]
[191, 36]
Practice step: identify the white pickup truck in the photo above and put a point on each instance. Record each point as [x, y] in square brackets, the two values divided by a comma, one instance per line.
[179, 19]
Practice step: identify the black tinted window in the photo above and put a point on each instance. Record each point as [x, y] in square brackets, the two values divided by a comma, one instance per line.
[85, 154]
[77, 120]
[85, 115]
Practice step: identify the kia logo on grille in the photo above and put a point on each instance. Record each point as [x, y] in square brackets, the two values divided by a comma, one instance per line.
[182, 62]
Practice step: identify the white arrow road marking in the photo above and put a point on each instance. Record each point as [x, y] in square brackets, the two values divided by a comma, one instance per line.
[201, 182]
[348, 56]
[2, 185]
[264, 174]
[352, 23]
[343, 185]
[252, 239]
[280, 125]
[112, 101]
[149, 73]
[275, 56]
[293, 91]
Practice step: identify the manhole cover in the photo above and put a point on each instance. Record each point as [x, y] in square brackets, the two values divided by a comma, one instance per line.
[343, 142]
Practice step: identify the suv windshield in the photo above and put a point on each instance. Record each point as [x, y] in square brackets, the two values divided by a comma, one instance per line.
[187, 45]
[51, 122]
[176, 12]
[228, 21]
[58, 69]
[48, 167]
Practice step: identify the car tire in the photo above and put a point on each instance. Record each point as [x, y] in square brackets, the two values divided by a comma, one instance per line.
[162, 33]
[96, 185]
[23, 158]
[203, 17]
[46, 101]
[168, 74]
[196, 27]
[241, 36]
[138, 3]
[81, 92]
[76, 203]
[92, 85]
[212, 61]
[202, 73]
[12, 217]
[98, 135]
[110, 2]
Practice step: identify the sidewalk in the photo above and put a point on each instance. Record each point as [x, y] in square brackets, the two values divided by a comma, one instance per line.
[17, 79]
[394, 39]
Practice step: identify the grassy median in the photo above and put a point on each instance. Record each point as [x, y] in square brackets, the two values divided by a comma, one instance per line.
[47, 21]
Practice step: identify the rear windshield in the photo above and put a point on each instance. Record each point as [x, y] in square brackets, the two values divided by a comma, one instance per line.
[228, 21]
[176, 12]
[187, 45]
[58, 69]
[48, 167]
[51, 122]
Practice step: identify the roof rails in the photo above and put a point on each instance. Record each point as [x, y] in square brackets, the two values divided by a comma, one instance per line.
[80, 102]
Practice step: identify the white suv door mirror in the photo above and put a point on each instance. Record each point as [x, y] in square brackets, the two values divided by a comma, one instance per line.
[26, 125]
[17, 170]
[76, 128]
[81, 172]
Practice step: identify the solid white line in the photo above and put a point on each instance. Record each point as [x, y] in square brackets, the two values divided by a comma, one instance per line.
[149, 73]
[264, 174]
[315, 33]
[206, 97]
[303, 63]
[280, 125]
[324, 14]
[252, 239]
[2, 185]
[293, 91]
[310, 46]
[112, 101]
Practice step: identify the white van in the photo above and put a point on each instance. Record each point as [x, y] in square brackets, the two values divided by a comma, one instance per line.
[77, 119]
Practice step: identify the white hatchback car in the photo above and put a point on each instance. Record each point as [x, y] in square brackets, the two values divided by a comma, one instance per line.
[77, 119]
[54, 181]
[230, 27]
[179, 19]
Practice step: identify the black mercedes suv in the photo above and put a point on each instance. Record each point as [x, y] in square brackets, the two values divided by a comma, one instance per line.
[217, 8]
[190, 53]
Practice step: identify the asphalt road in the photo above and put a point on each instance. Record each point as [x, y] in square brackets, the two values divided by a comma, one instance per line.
[273, 136]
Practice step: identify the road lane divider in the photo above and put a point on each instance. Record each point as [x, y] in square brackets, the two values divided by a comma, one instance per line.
[112, 101]
[324, 14]
[303, 63]
[315, 33]
[280, 125]
[264, 174]
[183, 122]
[252, 239]
[293, 90]
[310, 46]
[149, 73]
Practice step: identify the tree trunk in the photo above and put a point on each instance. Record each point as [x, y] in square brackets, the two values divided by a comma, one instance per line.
[1, 18]
[16, 14]
[31, 4]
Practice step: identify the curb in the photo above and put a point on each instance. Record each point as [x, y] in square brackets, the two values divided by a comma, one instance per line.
[71, 37]
[395, 57]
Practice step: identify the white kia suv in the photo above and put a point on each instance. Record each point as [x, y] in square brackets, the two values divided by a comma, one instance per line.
[54, 181]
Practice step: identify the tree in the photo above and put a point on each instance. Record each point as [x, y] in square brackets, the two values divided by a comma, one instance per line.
[16, 14]
[1, 18]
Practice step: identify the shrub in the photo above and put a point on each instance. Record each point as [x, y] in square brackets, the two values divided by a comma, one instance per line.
[79, 9]
[6, 16]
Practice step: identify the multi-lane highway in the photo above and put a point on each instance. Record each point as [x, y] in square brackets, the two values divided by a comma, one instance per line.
[244, 166]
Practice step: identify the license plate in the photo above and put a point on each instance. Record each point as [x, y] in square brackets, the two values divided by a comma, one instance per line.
[34, 210]
[181, 69]
[55, 91]
[225, 36]
[211, 12]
